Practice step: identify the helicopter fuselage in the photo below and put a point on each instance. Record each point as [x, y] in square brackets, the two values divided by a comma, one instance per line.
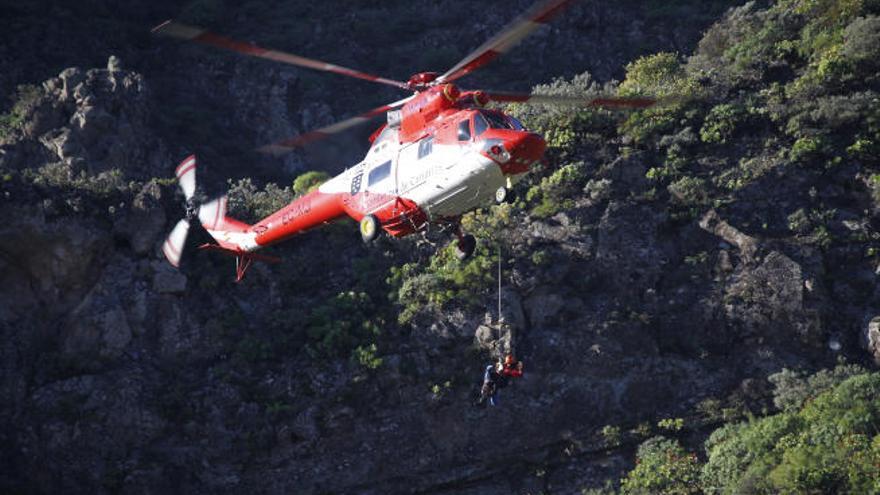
[456, 165]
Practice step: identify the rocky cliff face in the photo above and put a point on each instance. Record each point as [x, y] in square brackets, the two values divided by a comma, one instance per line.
[121, 374]
[88, 123]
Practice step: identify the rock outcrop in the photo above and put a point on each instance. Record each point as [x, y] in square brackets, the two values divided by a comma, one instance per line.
[90, 121]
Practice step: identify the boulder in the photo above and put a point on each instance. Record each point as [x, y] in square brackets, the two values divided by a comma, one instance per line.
[144, 223]
[713, 224]
[871, 338]
[768, 300]
[496, 339]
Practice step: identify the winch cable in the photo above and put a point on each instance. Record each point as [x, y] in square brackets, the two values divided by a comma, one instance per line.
[499, 285]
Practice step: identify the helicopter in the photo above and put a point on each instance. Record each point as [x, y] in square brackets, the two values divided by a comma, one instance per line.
[441, 153]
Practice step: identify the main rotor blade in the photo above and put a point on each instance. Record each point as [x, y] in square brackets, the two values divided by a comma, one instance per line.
[287, 145]
[572, 101]
[521, 27]
[199, 35]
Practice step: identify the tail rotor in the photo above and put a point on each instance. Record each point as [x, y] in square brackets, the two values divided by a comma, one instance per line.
[211, 214]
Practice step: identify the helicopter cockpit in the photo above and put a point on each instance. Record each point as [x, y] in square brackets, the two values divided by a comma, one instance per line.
[488, 119]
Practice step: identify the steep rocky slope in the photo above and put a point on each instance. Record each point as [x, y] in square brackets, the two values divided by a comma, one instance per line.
[632, 298]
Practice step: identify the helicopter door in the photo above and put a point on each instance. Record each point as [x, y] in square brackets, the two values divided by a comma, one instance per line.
[414, 164]
[381, 187]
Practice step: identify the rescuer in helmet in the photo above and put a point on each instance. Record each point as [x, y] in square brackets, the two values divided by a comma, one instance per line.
[512, 368]
[496, 377]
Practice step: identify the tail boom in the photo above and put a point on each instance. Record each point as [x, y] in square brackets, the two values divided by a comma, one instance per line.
[313, 209]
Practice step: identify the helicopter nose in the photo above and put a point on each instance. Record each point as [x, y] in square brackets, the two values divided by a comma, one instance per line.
[525, 148]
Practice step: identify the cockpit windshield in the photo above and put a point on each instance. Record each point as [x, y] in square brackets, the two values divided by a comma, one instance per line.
[496, 120]
[516, 123]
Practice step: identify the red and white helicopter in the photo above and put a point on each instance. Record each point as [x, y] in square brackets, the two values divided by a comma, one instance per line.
[440, 154]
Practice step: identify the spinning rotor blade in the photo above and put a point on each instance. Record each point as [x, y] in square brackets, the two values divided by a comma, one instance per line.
[521, 27]
[186, 176]
[175, 241]
[213, 213]
[572, 101]
[287, 145]
[199, 35]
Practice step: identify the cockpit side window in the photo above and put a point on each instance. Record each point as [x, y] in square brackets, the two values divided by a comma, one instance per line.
[425, 147]
[379, 173]
[464, 130]
[480, 124]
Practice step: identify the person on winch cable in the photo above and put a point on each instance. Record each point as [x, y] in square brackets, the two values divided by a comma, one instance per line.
[491, 379]
[512, 367]
[496, 377]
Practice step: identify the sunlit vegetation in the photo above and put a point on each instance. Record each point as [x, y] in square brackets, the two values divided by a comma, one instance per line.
[309, 181]
[824, 440]
[26, 95]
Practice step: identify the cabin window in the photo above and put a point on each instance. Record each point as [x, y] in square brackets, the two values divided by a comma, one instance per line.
[480, 124]
[380, 173]
[464, 130]
[425, 147]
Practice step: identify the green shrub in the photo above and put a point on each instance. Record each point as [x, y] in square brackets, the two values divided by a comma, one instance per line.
[26, 96]
[554, 193]
[721, 123]
[799, 222]
[540, 258]
[689, 191]
[309, 181]
[345, 324]
[444, 281]
[861, 45]
[807, 149]
[828, 445]
[671, 424]
[659, 75]
[61, 175]
[645, 125]
[662, 467]
[742, 455]
[439, 390]
[711, 409]
[366, 356]
[791, 389]
[611, 434]
[250, 204]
